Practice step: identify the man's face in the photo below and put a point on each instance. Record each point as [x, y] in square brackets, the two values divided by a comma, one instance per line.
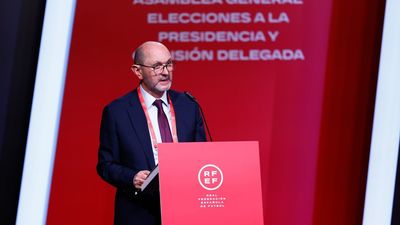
[155, 82]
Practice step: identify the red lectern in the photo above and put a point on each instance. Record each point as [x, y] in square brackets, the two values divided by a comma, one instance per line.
[213, 183]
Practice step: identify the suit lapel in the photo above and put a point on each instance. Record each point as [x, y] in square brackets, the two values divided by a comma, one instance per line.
[139, 123]
[178, 114]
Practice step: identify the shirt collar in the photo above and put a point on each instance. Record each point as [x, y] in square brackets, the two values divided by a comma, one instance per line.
[149, 99]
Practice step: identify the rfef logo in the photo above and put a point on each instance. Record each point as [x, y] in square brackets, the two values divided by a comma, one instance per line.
[210, 177]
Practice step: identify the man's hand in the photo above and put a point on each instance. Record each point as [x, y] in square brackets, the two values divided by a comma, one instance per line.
[139, 178]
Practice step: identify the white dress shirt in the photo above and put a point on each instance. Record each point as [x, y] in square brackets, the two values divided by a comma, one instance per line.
[152, 111]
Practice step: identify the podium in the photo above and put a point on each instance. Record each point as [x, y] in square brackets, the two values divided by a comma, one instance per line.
[213, 183]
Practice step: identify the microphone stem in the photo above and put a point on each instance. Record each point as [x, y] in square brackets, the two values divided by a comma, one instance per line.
[201, 112]
[205, 122]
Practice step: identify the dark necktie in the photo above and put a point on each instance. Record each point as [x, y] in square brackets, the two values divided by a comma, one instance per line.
[163, 124]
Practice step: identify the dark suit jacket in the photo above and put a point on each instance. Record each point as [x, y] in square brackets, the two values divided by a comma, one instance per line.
[125, 149]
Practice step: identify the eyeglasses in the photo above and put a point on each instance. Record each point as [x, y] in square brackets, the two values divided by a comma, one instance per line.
[159, 68]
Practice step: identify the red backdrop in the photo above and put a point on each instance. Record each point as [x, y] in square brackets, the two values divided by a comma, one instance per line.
[312, 117]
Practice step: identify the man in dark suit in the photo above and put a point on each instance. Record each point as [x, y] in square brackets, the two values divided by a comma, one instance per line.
[132, 126]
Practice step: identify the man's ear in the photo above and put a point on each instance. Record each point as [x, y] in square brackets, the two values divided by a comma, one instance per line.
[136, 70]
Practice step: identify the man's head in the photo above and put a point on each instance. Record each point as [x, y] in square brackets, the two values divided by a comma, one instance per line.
[152, 64]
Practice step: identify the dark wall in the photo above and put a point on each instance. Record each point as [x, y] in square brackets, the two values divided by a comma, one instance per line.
[20, 29]
[396, 200]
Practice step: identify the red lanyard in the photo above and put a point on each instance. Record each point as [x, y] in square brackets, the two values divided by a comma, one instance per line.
[150, 125]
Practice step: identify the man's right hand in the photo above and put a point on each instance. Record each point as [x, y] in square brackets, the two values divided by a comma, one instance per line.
[139, 178]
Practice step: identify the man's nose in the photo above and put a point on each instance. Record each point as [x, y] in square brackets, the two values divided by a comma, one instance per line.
[165, 71]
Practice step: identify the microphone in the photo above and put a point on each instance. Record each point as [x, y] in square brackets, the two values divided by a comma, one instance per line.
[201, 112]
